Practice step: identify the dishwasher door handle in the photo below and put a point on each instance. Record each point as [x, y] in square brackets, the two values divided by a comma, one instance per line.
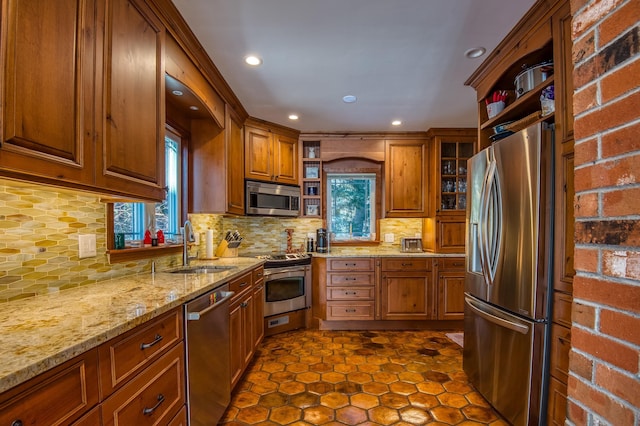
[195, 316]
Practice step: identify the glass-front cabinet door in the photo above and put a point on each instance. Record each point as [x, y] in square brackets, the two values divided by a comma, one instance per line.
[453, 174]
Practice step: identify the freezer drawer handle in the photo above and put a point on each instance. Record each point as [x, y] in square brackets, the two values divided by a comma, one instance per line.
[523, 329]
[195, 316]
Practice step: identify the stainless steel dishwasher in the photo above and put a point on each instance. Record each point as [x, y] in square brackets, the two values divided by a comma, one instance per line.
[208, 357]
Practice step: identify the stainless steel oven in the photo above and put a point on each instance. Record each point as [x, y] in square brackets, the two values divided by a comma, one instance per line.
[287, 283]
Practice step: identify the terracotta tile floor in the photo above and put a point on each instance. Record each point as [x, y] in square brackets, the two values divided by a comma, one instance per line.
[317, 377]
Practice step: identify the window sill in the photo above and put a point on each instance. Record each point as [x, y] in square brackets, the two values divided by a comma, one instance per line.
[137, 253]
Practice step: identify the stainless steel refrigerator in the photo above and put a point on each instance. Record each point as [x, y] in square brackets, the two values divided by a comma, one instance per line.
[509, 232]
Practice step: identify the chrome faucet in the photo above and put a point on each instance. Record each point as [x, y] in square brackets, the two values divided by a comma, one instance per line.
[187, 238]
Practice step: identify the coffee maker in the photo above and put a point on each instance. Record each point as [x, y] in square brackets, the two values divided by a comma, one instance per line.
[322, 242]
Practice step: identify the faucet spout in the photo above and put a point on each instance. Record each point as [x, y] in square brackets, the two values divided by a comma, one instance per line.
[189, 237]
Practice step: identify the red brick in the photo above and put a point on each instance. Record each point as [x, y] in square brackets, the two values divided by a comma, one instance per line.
[585, 99]
[601, 403]
[621, 326]
[619, 384]
[610, 232]
[605, 349]
[586, 205]
[584, 315]
[620, 81]
[609, 116]
[576, 414]
[592, 14]
[581, 365]
[606, 293]
[621, 203]
[619, 21]
[587, 152]
[621, 171]
[621, 264]
[585, 259]
[584, 74]
[621, 141]
[584, 47]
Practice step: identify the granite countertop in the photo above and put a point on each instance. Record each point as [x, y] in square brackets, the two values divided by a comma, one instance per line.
[40, 333]
[374, 251]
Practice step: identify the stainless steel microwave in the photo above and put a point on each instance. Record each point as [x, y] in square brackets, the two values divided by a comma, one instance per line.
[271, 199]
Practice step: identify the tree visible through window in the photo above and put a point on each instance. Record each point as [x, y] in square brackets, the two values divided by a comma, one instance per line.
[133, 219]
[351, 205]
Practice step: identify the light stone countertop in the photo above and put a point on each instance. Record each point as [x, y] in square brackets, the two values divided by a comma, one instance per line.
[40, 333]
[376, 251]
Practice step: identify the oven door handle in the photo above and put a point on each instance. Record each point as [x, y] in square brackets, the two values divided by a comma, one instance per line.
[299, 272]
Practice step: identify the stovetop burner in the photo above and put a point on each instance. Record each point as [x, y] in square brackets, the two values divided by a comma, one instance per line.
[276, 260]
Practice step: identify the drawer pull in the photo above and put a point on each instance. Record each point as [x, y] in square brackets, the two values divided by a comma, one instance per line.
[352, 293]
[149, 411]
[349, 264]
[148, 345]
[458, 264]
[350, 279]
[407, 264]
[350, 310]
[244, 304]
[17, 422]
[243, 284]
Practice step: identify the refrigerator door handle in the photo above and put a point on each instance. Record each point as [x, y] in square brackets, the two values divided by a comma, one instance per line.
[523, 329]
[491, 218]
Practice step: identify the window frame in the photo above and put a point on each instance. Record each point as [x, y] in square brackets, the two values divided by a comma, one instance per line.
[137, 253]
[357, 166]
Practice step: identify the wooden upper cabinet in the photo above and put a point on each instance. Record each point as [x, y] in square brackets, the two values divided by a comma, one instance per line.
[47, 97]
[406, 186]
[563, 70]
[271, 153]
[235, 165]
[132, 119]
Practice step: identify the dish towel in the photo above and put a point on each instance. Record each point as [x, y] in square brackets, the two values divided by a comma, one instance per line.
[456, 337]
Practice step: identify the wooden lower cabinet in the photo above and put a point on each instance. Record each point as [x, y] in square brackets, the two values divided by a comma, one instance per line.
[407, 289]
[153, 397]
[92, 418]
[180, 419]
[59, 396]
[450, 288]
[350, 289]
[246, 320]
[557, 403]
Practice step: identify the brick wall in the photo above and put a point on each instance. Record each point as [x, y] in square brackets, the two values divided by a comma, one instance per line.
[604, 384]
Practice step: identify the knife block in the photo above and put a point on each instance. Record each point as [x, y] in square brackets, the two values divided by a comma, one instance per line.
[223, 250]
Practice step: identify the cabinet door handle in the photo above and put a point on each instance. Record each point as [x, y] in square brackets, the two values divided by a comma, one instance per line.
[149, 411]
[148, 345]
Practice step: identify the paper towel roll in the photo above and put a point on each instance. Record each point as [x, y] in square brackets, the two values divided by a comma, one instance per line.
[209, 244]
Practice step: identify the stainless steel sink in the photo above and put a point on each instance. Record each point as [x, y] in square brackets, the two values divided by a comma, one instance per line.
[201, 269]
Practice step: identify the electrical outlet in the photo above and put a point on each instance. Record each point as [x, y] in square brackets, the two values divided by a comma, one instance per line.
[86, 245]
[389, 238]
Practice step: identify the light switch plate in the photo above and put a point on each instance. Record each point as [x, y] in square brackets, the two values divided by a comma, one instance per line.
[389, 238]
[86, 245]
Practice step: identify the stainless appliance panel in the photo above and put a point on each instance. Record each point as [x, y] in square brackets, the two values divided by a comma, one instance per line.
[508, 220]
[269, 199]
[208, 356]
[501, 356]
[291, 289]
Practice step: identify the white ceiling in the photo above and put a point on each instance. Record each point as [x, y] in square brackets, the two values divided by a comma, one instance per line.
[403, 59]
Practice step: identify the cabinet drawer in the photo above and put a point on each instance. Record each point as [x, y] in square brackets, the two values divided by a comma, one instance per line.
[557, 405]
[59, 396]
[350, 279]
[562, 308]
[451, 263]
[560, 347]
[126, 355]
[406, 264]
[153, 397]
[258, 274]
[355, 264]
[350, 293]
[359, 310]
[180, 419]
[240, 284]
[92, 418]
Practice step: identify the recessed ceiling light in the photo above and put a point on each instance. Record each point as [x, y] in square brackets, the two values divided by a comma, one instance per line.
[194, 108]
[253, 60]
[293, 117]
[396, 122]
[349, 99]
[177, 93]
[475, 52]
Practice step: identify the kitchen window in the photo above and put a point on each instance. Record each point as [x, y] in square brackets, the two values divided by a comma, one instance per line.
[133, 219]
